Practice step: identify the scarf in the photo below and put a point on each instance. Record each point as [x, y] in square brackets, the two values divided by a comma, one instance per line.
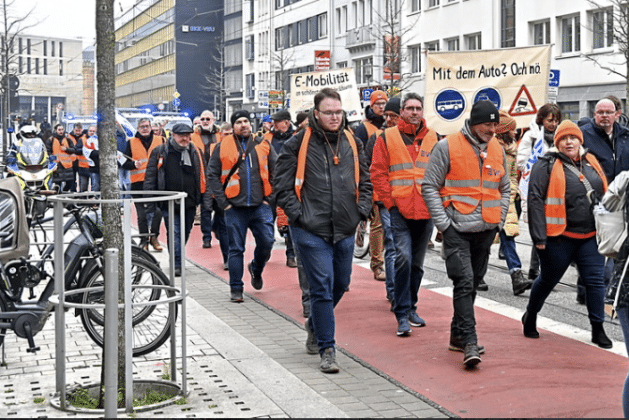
[185, 153]
[549, 137]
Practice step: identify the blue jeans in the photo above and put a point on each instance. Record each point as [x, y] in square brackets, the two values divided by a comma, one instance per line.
[411, 242]
[623, 317]
[220, 230]
[507, 244]
[95, 179]
[554, 261]
[206, 224]
[125, 181]
[328, 268]
[84, 182]
[290, 248]
[260, 220]
[389, 252]
[188, 222]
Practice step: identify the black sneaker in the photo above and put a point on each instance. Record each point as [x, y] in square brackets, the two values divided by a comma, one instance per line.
[236, 295]
[460, 348]
[328, 361]
[482, 286]
[472, 355]
[403, 327]
[415, 320]
[256, 281]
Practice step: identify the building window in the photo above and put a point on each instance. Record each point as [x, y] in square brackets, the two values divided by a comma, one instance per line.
[341, 65]
[569, 110]
[303, 31]
[52, 48]
[433, 3]
[28, 65]
[415, 55]
[353, 17]
[570, 34]
[473, 42]
[393, 10]
[45, 66]
[416, 6]
[541, 33]
[507, 32]
[602, 28]
[60, 67]
[250, 12]
[20, 48]
[432, 46]
[28, 46]
[36, 65]
[250, 85]
[249, 48]
[452, 44]
[20, 64]
[364, 70]
[339, 26]
[45, 47]
[312, 29]
[322, 22]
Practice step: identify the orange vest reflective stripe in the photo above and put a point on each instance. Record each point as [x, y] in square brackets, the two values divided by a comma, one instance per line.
[467, 186]
[62, 157]
[229, 156]
[555, 204]
[83, 163]
[303, 153]
[404, 174]
[139, 153]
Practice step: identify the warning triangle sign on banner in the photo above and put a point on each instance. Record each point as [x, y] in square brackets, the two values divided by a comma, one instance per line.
[523, 103]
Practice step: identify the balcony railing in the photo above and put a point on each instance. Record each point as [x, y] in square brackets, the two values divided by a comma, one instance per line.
[359, 37]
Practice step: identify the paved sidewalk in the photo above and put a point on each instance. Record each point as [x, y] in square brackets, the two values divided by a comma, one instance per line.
[243, 360]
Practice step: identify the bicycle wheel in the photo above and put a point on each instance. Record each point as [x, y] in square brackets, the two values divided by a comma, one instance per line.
[151, 324]
[361, 242]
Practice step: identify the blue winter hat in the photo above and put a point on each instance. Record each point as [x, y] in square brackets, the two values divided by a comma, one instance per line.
[266, 118]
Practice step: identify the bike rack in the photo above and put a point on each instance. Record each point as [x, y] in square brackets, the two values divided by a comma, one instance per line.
[59, 300]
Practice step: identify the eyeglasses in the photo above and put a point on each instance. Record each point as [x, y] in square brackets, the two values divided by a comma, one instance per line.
[331, 113]
[379, 104]
[605, 112]
[207, 119]
[390, 115]
[413, 108]
[144, 126]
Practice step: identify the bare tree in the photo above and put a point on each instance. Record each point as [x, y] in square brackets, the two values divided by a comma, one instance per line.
[112, 226]
[214, 82]
[13, 28]
[389, 29]
[282, 62]
[616, 27]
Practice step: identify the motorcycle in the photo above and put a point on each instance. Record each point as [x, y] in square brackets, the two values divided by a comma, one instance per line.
[30, 164]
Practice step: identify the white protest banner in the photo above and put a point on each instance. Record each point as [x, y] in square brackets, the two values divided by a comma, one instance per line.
[304, 86]
[514, 79]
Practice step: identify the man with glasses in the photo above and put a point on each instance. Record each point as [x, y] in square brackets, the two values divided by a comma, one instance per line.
[400, 157]
[209, 134]
[322, 183]
[373, 124]
[467, 191]
[139, 148]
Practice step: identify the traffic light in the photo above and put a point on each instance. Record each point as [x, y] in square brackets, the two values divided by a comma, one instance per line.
[14, 84]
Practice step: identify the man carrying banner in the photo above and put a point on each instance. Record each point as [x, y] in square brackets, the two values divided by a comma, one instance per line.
[466, 188]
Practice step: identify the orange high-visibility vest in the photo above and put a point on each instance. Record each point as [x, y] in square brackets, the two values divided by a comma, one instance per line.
[303, 153]
[83, 163]
[404, 174]
[555, 203]
[139, 153]
[471, 182]
[62, 157]
[371, 129]
[229, 156]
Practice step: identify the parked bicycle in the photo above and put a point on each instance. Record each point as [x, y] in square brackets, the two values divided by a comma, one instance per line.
[361, 240]
[21, 275]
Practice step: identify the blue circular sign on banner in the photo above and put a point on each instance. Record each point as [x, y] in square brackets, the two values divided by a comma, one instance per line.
[489, 94]
[176, 102]
[450, 104]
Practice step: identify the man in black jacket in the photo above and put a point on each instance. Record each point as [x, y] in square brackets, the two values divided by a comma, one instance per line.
[239, 175]
[176, 166]
[322, 183]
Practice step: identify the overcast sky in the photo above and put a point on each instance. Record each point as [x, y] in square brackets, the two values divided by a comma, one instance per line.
[63, 18]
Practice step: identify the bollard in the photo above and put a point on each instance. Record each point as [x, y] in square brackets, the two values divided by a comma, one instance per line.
[110, 335]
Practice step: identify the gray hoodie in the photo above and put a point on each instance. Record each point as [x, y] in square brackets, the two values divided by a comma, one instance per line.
[434, 179]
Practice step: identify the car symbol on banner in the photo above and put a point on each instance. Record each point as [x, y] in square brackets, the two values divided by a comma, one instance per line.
[449, 104]
[489, 94]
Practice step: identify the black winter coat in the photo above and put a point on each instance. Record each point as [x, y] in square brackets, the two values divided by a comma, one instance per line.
[329, 208]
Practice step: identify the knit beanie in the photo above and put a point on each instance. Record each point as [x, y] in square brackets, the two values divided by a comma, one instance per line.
[393, 105]
[484, 112]
[567, 127]
[377, 95]
[239, 114]
[506, 123]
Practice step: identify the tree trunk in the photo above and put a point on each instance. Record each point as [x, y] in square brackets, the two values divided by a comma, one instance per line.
[110, 189]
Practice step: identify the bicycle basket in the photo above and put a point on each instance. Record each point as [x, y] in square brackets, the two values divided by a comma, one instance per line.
[94, 222]
[14, 240]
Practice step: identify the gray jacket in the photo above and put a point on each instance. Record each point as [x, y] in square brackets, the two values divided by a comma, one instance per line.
[434, 179]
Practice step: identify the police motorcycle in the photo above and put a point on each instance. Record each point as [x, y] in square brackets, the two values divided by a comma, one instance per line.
[29, 162]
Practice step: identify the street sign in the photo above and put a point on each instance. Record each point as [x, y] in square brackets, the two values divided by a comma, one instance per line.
[60, 106]
[176, 95]
[553, 78]
[367, 94]
[176, 102]
[160, 107]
